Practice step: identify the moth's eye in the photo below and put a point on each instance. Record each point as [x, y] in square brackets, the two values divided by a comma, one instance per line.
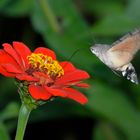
[92, 49]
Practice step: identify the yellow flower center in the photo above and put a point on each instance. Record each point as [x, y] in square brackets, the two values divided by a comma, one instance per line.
[45, 64]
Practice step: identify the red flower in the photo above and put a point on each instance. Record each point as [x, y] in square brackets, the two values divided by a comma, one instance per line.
[46, 77]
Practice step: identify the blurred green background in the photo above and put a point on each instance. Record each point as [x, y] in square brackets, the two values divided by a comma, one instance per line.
[113, 110]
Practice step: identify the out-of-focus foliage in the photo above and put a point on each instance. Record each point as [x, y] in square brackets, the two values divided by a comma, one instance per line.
[67, 26]
[8, 113]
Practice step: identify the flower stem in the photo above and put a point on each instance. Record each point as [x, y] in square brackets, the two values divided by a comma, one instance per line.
[48, 13]
[22, 121]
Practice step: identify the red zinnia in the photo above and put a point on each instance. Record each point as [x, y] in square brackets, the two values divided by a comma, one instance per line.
[46, 77]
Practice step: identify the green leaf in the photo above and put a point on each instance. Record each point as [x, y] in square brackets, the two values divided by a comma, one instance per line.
[101, 8]
[115, 25]
[132, 9]
[136, 95]
[104, 131]
[4, 3]
[17, 7]
[113, 105]
[11, 111]
[3, 132]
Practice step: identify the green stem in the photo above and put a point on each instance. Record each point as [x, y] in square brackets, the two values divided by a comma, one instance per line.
[50, 15]
[22, 121]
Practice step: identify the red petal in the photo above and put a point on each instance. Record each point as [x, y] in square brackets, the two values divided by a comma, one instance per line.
[68, 93]
[46, 51]
[74, 76]
[76, 95]
[26, 77]
[11, 68]
[23, 52]
[56, 92]
[83, 85]
[39, 93]
[76, 83]
[9, 49]
[67, 66]
[6, 59]
[5, 73]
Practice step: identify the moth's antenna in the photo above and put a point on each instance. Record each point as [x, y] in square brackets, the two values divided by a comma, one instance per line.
[74, 53]
[72, 56]
[92, 39]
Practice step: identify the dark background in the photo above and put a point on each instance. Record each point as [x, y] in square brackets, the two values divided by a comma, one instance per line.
[113, 110]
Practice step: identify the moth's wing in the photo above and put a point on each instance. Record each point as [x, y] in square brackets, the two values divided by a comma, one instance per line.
[129, 43]
[123, 50]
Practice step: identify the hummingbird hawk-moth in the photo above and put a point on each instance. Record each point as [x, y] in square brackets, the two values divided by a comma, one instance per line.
[118, 56]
